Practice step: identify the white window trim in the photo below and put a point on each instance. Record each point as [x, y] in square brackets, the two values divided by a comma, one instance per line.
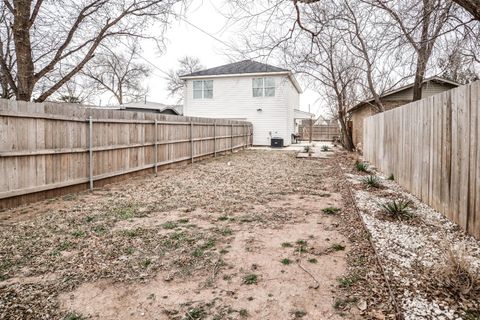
[264, 87]
[201, 90]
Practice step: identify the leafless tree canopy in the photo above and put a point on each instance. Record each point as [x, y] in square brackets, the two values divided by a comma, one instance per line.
[186, 65]
[118, 73]
[357, 49]
[44, 44]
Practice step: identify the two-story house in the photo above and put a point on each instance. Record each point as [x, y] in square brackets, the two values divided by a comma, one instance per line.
[262, 94]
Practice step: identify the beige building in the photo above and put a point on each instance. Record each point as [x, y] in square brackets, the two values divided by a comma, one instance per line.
[393, 99]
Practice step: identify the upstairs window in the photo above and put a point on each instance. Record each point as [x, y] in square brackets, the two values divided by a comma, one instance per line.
[203, 89]
[263, 87]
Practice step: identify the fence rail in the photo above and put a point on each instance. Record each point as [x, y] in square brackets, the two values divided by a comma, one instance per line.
[50, 146]
[432, 147]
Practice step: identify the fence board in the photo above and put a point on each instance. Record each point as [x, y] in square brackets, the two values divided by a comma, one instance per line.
[432, 148]
[45, 146]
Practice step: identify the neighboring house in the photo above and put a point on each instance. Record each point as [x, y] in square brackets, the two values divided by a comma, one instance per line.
[155, 107]
[393, 99]
[262, 94]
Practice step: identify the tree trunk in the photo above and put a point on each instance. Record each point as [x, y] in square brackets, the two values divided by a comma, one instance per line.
[472, 6]
[419, 77]
[23, 49]
[347, 138]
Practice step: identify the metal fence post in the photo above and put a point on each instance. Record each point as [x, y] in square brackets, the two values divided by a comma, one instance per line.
[231, 138]
[214, 138]
[155, 158]
[90, 152]
[191, 139]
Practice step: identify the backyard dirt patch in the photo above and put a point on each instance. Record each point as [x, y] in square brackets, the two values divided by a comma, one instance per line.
[257, 234]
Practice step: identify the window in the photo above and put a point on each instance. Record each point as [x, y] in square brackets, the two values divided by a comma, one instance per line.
[203, 89]
[263, 87]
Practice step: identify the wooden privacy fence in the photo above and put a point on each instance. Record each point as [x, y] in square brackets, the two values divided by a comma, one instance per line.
[319, 133]
[432, 147]
[50, 147]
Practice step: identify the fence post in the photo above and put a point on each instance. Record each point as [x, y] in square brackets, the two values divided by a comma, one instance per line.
[231, 138]
[191, 139]
[214, 138]
[155, 158]
[90, 152]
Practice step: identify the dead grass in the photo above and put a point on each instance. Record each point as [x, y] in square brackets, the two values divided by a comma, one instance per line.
[181, 236]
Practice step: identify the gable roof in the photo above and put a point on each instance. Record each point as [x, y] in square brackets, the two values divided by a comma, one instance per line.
[241, 67]
[403, 88]
[153, 106]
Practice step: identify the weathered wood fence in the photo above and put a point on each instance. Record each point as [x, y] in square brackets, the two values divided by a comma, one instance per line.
[432, 147]
[319, 132]
[48, 149]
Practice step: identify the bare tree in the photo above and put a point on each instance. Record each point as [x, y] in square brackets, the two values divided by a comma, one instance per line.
[186, 65]
[119, 73]
[472, 6]
[420, 23]
[65, 34]
[7, 60]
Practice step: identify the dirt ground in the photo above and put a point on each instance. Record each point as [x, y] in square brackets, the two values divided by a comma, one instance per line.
[243, 236]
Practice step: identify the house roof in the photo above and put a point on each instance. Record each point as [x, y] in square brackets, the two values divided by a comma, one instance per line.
[406, 87]
[154, 106]
[245, 66]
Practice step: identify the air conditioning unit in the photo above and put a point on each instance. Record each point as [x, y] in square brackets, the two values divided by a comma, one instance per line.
[276, 142]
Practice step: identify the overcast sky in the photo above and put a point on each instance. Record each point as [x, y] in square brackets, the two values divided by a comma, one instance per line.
[183, 39]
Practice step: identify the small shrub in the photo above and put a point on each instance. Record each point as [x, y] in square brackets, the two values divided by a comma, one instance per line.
[287, 245]
[132, 233]
[65, 245]
[286, 261]
[301, 242]
[330, 210]
[391, 177]
[372, 181]
[197, 253]
[223, 218]
[308, 149]
[337, 247]
[399, 209]
[312, 260]
[146, 263]
[361, 166]
[456, 274]
[250, 279]
[325, 148]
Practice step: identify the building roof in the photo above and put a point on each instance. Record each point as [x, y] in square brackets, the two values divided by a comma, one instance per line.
[154, 106]
[241, 67]
[406, 87]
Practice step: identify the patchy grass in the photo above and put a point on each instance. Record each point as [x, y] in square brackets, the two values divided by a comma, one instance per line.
[286, 261]
[346, 282]
[250, 279]
[298, 314]
[170, 225]
[337, 247]
[330, 210]
[312, 260]
[287, 245]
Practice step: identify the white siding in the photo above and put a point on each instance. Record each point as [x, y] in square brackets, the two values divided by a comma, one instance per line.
[233, 99]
